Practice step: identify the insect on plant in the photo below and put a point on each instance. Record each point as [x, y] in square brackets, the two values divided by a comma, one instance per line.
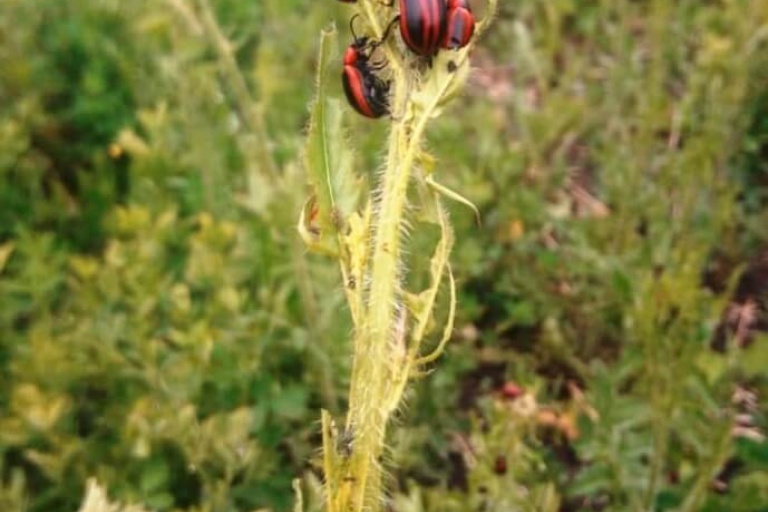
[368, 231]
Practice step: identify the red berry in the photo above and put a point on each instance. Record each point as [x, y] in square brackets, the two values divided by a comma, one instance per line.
[500, 465]
[511, 391]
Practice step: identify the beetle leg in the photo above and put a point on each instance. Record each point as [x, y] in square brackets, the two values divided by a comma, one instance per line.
[377, 66]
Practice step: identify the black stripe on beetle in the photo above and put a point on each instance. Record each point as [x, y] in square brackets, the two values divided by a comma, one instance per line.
[460, 25]
[423, 25]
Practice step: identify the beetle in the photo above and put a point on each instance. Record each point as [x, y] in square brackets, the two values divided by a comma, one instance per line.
[423, 25]
[460, 25]
[365, 91]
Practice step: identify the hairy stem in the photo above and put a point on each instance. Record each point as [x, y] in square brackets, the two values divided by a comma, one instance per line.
[383, 359]
[376, 349]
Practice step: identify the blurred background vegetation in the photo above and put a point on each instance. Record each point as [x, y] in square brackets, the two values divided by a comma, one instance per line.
[163, 331]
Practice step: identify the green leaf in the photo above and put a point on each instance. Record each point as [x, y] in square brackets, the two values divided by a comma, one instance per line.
[160, 501]
[328, 162]
[523, 312]
[5, 253]
[754, 360]
[154, 476]
[591, 480]
[753, 452]
[290, 403]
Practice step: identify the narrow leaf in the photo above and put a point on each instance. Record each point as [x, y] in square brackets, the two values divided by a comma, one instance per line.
[328, 162]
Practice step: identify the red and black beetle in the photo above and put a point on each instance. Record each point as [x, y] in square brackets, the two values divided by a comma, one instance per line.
[423, 25]
[460, 25]
[365, 91]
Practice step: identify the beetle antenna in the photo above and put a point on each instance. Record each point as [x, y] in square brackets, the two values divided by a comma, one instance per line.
[386, 32]
[389, 27]
[352, 26]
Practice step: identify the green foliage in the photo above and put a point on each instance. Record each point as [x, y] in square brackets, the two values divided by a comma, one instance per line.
[65, 94]
[173, 345]
[162, 330]
[601, 215]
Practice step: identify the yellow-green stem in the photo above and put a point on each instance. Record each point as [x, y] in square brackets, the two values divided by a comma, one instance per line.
[380, 354]
[374, 347]
[367, 416]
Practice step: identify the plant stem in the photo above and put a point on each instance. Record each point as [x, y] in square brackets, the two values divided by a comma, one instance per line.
[719, 456]
[374, 348]
[377, 352]
[382, 359]
[243, 103]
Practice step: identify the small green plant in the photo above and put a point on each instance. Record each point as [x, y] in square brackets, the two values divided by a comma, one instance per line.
[96, 500]
[367, 231]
